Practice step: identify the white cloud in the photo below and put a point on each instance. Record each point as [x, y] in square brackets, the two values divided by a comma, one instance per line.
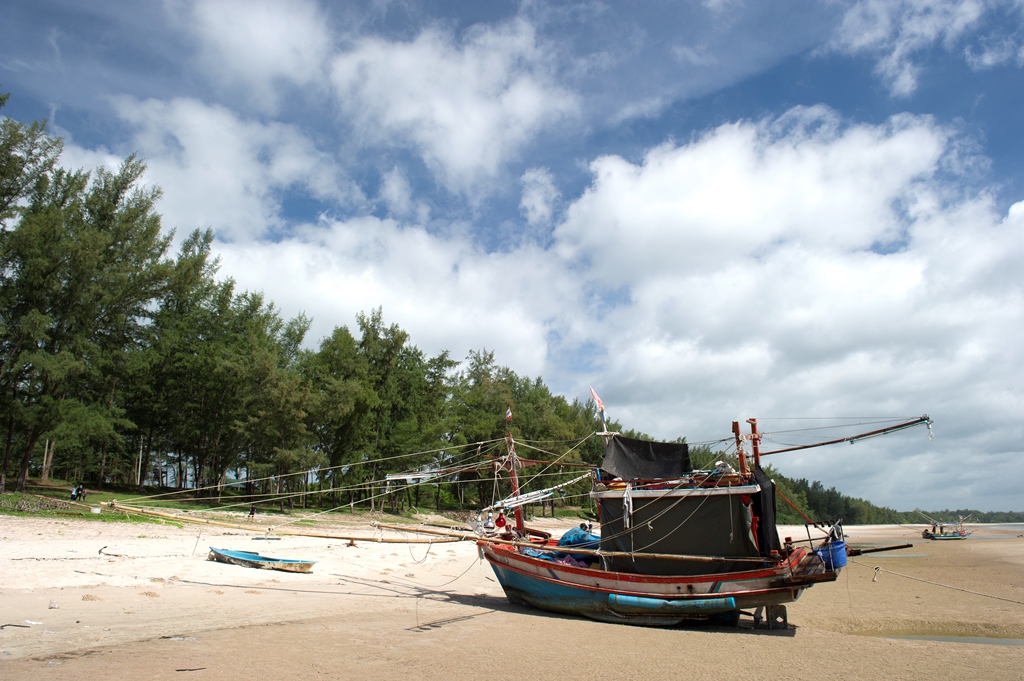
[539, 196]
[75, 157]
[743, 187]
[717, 6]
[751, 289]
[443, 290]
[694, 55]
[259, 43]
[218, 170]
[396, 192]
[466, 106]
[996, 52]
[899, 30]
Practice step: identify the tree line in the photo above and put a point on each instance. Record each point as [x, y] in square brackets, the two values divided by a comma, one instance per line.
[121, 362]
[819, 503]
[124, 363]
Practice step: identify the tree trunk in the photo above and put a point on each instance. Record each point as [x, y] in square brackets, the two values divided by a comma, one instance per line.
[7, 452]
[373, 476]
[103, 466]
[103, 459]
[143, 469]
[26, 459]
[44, 475]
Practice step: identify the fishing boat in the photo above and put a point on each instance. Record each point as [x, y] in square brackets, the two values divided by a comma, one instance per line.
[675, 543]
[941, 531]
[255, 560]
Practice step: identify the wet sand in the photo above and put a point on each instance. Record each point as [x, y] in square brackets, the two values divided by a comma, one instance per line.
[158, 609]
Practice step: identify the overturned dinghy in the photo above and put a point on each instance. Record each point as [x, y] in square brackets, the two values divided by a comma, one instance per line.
[255, 560]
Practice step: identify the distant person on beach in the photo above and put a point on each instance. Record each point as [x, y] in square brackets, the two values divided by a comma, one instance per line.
[74, 493]
[81, 492]
[252, 511]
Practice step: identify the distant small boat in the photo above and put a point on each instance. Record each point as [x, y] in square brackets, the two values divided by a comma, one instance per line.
[255, 560]
[940, 530]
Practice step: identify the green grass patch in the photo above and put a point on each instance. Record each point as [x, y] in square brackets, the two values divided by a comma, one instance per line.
[30, 505]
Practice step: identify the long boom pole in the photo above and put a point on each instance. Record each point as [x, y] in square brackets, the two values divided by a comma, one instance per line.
[913, 423]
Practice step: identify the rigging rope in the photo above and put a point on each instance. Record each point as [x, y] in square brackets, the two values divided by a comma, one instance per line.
[556, 460]
[878, 569]
[276, 497]
[318, 470]
[779, 492]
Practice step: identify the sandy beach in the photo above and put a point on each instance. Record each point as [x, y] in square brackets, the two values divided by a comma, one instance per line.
[89, 599]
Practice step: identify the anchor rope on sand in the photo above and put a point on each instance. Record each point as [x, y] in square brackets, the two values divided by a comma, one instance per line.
[878, 569]
[425, 555]
[472, 564]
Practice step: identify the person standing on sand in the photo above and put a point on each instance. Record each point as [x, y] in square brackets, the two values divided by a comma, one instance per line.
[252, 512]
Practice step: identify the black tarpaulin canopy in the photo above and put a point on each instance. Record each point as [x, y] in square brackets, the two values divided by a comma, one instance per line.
[631, 459]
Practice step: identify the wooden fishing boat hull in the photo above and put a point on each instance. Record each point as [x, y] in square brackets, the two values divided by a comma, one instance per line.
[255, 560]
[656, 600]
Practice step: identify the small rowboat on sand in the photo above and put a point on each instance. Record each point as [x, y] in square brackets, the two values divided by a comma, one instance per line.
[255, 560]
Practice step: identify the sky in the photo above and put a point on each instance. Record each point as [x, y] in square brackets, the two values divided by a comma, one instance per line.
[797, 211]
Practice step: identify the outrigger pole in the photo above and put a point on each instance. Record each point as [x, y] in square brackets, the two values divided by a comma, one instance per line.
[115, 506]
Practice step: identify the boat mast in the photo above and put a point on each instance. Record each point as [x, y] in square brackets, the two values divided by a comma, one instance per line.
[739, 448]
[512, 462]
[755, 442]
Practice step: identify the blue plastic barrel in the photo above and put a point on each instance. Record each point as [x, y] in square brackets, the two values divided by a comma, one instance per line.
[833, 554]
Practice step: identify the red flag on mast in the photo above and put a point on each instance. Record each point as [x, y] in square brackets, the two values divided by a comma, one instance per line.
[597, 400]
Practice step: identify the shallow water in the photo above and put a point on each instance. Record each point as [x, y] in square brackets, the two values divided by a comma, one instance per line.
[973, 537]
[965, 639]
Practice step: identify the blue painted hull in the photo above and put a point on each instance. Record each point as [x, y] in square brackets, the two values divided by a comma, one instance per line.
[656, 600]
[255, 560]
[573, 600]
